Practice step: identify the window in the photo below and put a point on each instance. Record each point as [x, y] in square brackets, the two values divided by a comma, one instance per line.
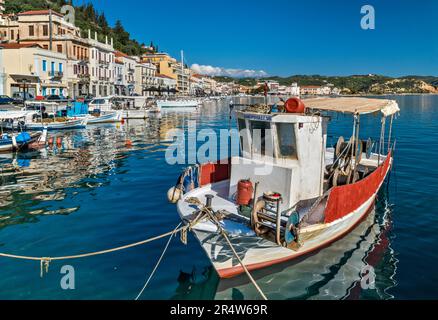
[45, 30]
[61, 67]
[46, 47]
[31, 31]
[74, 50]
[260, 133]
[75, 69]
[287, 141]
[12, 34]
[59, 48]
[44, 91]
[44, 65]
[52, 68]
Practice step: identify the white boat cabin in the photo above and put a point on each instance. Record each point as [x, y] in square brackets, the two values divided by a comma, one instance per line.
[284, 153]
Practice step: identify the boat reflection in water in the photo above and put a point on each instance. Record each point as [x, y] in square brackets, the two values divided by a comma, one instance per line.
[334, 273]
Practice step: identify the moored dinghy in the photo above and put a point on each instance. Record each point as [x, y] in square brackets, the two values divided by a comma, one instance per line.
[300, 198]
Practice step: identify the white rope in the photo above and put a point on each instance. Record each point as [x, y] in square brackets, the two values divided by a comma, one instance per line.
[158, 262]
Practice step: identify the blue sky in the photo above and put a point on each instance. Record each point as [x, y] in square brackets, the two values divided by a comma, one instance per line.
[285, 37]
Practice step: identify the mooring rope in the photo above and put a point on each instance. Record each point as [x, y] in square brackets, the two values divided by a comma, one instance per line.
[158, 262]
[45, 261]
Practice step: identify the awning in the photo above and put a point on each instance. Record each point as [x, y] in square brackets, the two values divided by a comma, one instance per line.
[20, 78]
[353, 105]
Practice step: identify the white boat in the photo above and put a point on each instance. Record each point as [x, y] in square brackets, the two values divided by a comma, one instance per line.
[178, 105]
[54, 124]
[128, 107]
[274, 208]
[106, 117]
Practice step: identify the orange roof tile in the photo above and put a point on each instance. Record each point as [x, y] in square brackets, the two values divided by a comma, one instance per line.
[19, 45]
[39, 12]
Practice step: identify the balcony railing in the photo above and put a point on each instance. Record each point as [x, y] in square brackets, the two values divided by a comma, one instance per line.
[56, 74]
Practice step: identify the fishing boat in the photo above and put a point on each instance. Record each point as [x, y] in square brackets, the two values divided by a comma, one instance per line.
[16, 139]
[263, 208]
[51, 116]
[81, 109]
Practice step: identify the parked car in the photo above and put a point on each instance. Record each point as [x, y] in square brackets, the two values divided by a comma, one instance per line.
[53, 97]
[4, 99]
[18, 96]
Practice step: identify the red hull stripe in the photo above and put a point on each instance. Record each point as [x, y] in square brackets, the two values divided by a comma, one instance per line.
[346, 199]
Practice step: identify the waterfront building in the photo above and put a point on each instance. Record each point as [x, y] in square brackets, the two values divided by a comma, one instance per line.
[310, 90]
[146, 83]
[49, 29]
[125, 67]
[164, 63]
[166, 85]
[292, 90]
[102, 66]
[2, 10]
[28, 66]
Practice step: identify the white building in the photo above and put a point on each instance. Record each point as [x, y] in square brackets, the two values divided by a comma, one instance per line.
[102, 67]
[166, 85]
[145, 79]
[124, 74]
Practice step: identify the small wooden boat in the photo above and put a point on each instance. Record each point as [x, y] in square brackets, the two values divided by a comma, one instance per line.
[274, 207]
[105, 117]
[56, 124]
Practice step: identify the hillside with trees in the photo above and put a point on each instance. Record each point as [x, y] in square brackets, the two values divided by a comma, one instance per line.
[86, 18]
[355, 84]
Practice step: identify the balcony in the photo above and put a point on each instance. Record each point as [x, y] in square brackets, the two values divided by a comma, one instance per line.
[56, 74]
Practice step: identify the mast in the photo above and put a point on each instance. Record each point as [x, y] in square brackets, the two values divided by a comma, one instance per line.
[182, 69]
[50, 30]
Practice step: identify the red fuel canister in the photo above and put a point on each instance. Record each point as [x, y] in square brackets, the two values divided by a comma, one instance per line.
[245, 192]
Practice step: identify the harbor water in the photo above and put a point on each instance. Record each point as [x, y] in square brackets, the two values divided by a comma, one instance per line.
[106, 186]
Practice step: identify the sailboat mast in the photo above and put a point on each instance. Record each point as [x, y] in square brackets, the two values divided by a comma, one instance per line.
[182, 70]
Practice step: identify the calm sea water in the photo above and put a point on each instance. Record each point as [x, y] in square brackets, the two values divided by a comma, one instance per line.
[93, 192]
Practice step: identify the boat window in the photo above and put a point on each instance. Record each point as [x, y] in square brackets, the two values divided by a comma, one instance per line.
[287, 141]
[260, 133]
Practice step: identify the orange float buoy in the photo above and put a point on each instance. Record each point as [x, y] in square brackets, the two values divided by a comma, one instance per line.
[51, 140]
[128, 143]
[59, 141]
[294, 105]
[245, 192]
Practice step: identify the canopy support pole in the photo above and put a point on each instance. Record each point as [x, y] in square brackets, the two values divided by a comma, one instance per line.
[390, 133]
[382, 140]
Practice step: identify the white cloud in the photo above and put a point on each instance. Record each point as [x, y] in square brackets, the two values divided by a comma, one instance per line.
[234, 73]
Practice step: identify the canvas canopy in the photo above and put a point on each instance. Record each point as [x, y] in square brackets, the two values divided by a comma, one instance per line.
[6, 115]
[353, 105]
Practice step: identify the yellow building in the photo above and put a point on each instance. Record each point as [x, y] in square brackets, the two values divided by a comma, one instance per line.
[28, 66]
[165, 63]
